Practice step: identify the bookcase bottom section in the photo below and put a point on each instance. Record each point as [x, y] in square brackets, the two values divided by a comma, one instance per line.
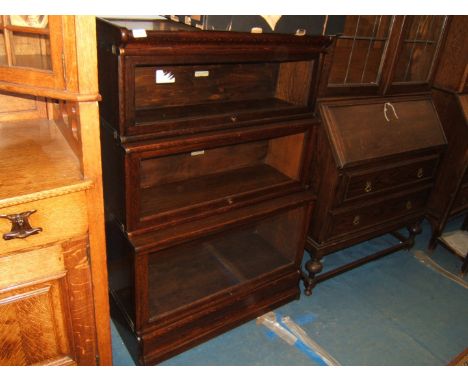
[157, 344]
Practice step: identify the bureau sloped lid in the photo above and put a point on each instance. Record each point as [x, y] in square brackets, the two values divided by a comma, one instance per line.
[361, 130]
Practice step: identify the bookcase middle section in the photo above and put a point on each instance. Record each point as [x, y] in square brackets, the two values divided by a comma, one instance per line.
[187, 178]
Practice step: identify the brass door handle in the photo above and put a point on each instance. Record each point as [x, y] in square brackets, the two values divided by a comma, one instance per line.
[20, 227]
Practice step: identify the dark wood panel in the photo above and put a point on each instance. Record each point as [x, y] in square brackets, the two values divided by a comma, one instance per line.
[364, 130]
[454, 164]
[452, 72]
[179, 167]
[461, 201]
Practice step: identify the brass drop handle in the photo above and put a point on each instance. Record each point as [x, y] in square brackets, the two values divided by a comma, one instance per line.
[409, 205]
[420, 172]
[368, 187]
[20, 227]
[356, 220]
[386, 106]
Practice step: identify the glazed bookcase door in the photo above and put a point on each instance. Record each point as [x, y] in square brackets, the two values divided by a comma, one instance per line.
[416, 57]
[31, 50]
[359, 55]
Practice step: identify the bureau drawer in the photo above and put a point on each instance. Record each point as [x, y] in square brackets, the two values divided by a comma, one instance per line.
[59, 217]
[369, 182]
[375, 214]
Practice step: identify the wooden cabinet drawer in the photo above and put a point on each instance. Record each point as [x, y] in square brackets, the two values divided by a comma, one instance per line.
[349, 220]
[369, 182]
[60, 217]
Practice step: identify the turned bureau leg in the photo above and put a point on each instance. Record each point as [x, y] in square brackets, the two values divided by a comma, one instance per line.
[414, 230]
[313, 266]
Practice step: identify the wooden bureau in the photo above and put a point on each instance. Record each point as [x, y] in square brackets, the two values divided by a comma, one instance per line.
[206, 140]
[53, 279]
[380, 142]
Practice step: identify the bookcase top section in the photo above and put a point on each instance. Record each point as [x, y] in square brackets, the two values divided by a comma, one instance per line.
[152, 36]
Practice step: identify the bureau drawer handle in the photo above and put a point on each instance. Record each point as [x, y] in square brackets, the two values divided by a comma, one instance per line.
[20, 227]
[420, 173]
[356, 220]
[368, 187]
[409, 205]
[386, 104]
[233, 118]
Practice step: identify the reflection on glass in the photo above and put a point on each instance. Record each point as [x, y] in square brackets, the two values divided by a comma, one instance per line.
[30, 21]
[419, 46]
[32, 51]
[25, 41]
[359, 51]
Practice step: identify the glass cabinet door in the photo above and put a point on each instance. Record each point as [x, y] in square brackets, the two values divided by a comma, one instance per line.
[31, 50]
[359, 54]
[420, 42]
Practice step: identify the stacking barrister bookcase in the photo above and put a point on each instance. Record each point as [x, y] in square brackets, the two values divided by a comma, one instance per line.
[206, 143]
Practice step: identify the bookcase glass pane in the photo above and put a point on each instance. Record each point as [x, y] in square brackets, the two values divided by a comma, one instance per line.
[32, 51]
[218, 175]
[186, 273]
[419, 46]
[25, 41]
[359, 51]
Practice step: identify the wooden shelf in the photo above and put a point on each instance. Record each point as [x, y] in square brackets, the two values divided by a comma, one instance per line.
[35, 157]
[47, 92]
[213, 109]
[208, 188]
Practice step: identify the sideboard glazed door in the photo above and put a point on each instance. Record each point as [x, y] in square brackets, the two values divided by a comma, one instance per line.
[31, 50]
